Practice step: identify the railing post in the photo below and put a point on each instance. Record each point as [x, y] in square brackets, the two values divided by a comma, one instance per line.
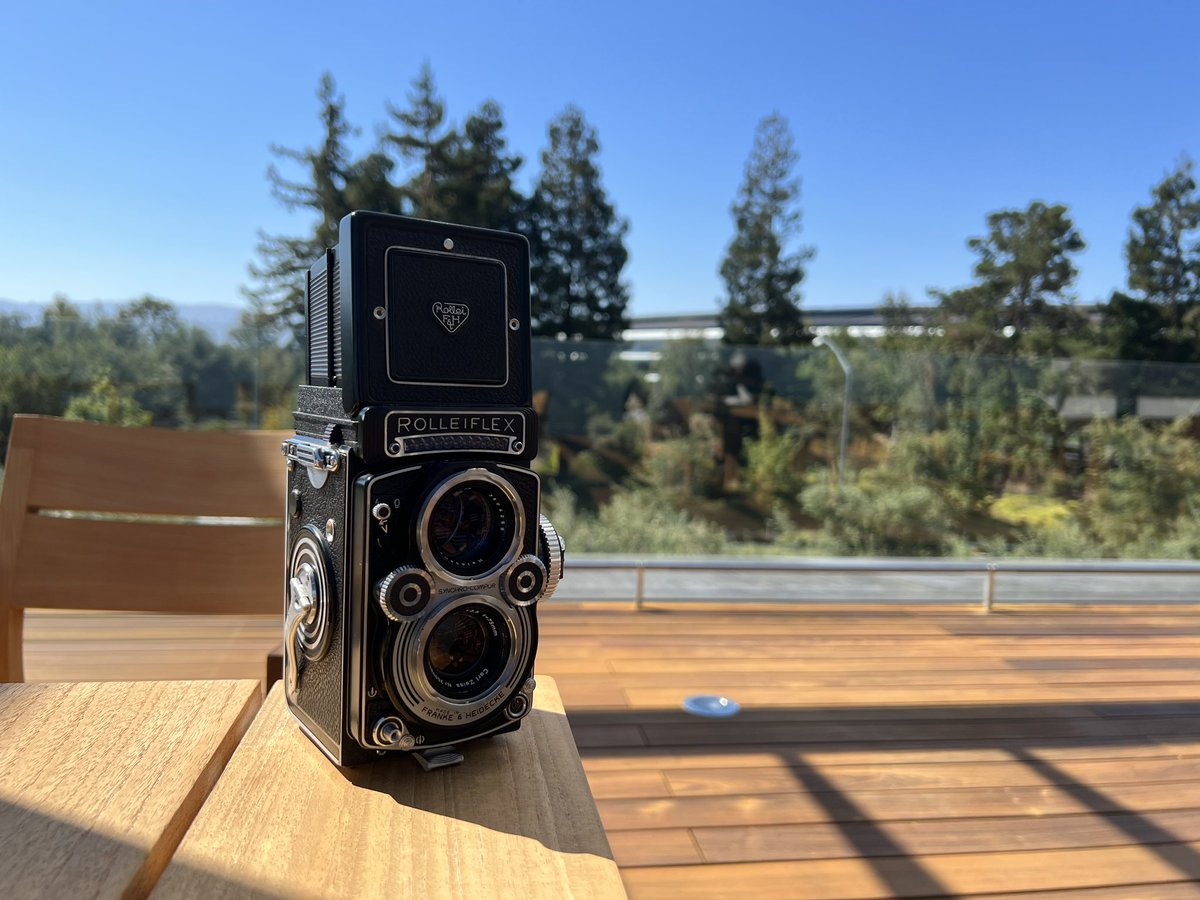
[641, 587]
[989, 587]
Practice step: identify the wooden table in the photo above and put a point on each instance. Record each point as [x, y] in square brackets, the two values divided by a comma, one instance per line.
[98, 782]
[119, 789]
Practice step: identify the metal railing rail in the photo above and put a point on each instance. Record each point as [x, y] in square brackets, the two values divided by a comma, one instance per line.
[988, 569]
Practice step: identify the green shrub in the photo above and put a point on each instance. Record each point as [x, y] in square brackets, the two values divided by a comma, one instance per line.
[640, 521]
[1143, 481]
[108, 403]
[774, 464]
[682, 467]
[1032, 511]
[874, 515]
[1067, 539]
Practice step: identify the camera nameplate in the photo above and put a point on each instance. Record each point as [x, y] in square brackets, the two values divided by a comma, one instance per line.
[415, 432]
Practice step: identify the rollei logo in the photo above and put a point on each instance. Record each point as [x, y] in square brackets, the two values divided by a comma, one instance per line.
[408, 425]
[451, 315]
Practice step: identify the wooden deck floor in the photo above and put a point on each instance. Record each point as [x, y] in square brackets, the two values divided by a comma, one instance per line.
[911, 752]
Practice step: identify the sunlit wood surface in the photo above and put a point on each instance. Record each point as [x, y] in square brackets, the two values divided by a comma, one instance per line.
[882, 751]
[98, 782]
[515, 819]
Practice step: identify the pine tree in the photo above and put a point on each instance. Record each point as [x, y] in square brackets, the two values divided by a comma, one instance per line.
[334, 186]
[475, 186]
[1159, 318]
[577, 241]
[1163, 249]
[420, 138]
[1019, 304]
[462, 176]
[762, 276]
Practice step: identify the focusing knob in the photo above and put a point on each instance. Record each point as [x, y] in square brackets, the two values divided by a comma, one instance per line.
[525, 581]
[555, 550]
[404, 592]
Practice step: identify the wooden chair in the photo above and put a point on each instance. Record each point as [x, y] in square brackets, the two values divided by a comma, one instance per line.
[97, 517]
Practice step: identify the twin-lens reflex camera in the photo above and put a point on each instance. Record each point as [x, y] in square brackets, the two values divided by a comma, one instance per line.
[416, 553]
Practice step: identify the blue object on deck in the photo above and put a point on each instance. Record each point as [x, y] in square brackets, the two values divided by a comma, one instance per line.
[711, 706]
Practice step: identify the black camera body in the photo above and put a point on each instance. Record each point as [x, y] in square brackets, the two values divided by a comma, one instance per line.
[415, 553]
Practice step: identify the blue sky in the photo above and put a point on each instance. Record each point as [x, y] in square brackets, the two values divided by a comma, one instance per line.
[136, 135]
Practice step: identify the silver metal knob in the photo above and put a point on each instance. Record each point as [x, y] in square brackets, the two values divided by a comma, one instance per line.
[555, 549]
[390, 732]
[403, 592]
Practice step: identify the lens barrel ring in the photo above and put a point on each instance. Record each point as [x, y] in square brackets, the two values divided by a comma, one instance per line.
[410, 682]
[501, 490]
[524, 584]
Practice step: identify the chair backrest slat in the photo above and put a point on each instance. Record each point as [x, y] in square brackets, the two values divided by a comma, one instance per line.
[102, 468]
[101, 517]
[146, 567]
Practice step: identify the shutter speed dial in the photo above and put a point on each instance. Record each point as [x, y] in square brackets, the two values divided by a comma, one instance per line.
[404, 592]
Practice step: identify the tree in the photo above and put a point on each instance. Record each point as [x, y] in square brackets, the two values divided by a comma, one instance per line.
[1163, 249]
[419, 137]
[1019, 305]
[577, 241]
[762, 276]
[476, 182]
[334, 185]
[1159, 319]
[463, 176]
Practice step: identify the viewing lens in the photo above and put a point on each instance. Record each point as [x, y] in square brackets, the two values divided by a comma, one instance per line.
[471, 528]
[467, 652]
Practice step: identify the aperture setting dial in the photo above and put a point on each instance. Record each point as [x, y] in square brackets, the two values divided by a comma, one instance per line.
[404, 592]
[525, 581]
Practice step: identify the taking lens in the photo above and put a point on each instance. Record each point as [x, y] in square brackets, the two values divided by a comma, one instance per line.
[467, 652]
[470, 529]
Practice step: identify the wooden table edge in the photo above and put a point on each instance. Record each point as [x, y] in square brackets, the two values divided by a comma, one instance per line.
[159, 856]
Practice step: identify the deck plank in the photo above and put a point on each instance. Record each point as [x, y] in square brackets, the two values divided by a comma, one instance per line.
[881, 751]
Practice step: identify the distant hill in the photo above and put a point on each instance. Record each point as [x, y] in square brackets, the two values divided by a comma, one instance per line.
[214, 318]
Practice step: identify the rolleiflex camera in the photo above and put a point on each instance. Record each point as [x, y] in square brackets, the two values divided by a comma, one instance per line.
[416, 554]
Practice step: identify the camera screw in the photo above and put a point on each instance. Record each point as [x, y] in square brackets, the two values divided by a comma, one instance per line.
[514, 324]
[448, 244]
[294, 503]
[517, 446]
[530, 685]
[517, 707]
[330, 530]
[380, 312]
[390, 730]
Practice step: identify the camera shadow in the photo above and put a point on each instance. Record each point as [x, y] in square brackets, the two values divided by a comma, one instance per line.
[528, 783]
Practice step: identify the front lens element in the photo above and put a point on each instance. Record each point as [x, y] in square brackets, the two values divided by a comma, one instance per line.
[471, 528]
[467, 651]
[457, 644]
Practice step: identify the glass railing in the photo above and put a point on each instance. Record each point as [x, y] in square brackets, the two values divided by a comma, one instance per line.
[843, 448]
